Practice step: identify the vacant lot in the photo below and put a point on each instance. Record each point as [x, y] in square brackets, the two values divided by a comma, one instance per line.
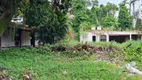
[41, 64]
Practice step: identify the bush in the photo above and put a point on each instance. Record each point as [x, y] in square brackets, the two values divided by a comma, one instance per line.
[132, 51]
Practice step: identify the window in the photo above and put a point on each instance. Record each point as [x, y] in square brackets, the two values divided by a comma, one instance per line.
[103, 38]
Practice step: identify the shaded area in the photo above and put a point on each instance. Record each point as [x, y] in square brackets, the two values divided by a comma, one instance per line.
[119, 38]
[94, 38]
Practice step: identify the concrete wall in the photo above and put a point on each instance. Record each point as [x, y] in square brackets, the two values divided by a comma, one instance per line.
[89, 36]
[25, 38]
[86, 37]
[7, 40]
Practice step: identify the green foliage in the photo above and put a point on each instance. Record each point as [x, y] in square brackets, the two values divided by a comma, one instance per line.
[7, 9]
[3, 26]
[95, 3]
[80, 13]
[124, 19]
[49, 19]
[37, 14]
[42, 63]
[131, 53]
[134, 52]
[94, 16]
[98, 13]
[54, 66]
[84, 26]
[109, 21]
[139, 24]
[111, 9]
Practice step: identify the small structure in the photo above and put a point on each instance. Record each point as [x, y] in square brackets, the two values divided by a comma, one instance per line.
[17, 35]
[118, 36]
[19, 38]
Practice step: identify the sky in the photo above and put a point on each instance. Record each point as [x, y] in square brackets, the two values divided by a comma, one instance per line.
[111, 1]
[117, 2]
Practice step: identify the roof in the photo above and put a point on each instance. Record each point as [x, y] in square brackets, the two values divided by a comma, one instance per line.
[115, 32]
[20, 26]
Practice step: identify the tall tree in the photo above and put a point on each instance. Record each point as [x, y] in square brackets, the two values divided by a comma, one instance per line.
[124, 18]
[95, 3]
[99, 14]
[111, 9]
[139, 24]
[109, 21]
[49, 18]
[7, 10]
[92, 3]
[79, 10]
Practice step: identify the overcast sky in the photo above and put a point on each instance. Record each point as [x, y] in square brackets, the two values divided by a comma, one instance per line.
[112, 1]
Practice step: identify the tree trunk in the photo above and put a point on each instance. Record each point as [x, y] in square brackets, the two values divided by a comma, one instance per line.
[3, 26]
[7, 13]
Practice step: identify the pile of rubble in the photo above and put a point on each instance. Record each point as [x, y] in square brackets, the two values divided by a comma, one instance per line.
[103, 52]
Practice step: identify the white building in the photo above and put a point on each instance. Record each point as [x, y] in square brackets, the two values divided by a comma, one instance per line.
[19, 36]
[118, 36]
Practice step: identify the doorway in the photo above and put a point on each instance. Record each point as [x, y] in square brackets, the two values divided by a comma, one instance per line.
[94, 38]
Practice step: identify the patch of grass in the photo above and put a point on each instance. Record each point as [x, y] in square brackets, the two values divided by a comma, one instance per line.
[43, 64]
[134, 77]
[54, 66]
[107, 44]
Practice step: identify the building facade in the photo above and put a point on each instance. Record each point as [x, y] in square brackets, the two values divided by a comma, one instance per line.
[17, 35]
[19, 38]
[118, 36]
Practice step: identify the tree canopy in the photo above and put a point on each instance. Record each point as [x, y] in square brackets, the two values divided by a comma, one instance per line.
[139, 24]
[7, 10]
[49, 18]
[124, 18]
[109, 21]
[50, 21]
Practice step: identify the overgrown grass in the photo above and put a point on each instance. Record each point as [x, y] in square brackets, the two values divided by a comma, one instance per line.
[46, 66]
[43, 64]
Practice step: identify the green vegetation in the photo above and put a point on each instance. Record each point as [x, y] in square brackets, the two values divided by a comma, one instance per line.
[139, 24]
[49, 19]
[68, 59]
[51, 22]
[51, 62]
[109, 21]
[7, 9]
[124, 19]
[45, 66]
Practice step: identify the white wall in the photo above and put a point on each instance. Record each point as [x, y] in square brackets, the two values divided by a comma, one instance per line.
[25, 38]
[86, 38]
[7, 40]
[89, 35]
